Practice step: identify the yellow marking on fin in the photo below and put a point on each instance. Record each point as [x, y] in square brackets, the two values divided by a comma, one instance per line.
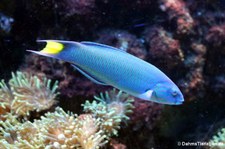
[53, 47]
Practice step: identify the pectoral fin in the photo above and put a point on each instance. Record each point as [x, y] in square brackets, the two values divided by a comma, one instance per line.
[146, 95]
[89, 76]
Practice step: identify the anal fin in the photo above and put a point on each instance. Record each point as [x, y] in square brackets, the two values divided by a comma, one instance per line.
[89, 76]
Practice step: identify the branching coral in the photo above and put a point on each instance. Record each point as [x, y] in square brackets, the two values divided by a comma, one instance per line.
[112, 109]
[26, 93]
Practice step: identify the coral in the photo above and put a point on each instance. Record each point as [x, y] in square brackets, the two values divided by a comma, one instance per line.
[89, 134]
[145, 114]
[19, 135]
[115, 145]
[71, 7]
[163, 49]
[218, 86]
[26, 93]
[31, 93]
[6, 98]
[184, 38]
[216, 35]
[54, 130]
[178, 10]
[218, 140]
[66, 130]
[112, 109]
[124, 41]
[193, 83]
[215, 63]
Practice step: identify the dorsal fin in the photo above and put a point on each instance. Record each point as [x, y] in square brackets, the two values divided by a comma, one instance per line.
[88, 43]
[59, 41]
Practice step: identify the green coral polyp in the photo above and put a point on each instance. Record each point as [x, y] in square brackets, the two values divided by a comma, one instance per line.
[27, 93]
[54, 130]
[112, 108]
[57, 129]
[6, 97]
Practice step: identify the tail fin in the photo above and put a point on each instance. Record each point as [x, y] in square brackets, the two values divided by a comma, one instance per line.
[52, 47]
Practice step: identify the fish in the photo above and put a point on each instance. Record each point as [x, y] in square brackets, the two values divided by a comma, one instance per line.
[107, 65]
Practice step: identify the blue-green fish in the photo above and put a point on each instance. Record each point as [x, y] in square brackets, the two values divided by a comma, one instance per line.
[107, 65]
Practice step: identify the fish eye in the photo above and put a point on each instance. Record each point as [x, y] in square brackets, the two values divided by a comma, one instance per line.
[174, 93]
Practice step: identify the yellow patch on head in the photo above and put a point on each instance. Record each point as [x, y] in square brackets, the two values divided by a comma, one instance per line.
[53, 47]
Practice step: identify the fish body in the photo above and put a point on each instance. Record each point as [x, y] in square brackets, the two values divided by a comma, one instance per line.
[107, 65]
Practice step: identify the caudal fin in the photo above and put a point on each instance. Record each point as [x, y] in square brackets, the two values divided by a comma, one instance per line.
[54, 48]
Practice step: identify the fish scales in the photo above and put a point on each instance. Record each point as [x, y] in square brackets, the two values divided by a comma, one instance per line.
[117, 68]
[111, 66]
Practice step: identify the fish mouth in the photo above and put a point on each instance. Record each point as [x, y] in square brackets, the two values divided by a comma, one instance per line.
[179, 102]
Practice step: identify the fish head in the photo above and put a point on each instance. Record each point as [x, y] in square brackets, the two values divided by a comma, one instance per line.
[167, 93]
